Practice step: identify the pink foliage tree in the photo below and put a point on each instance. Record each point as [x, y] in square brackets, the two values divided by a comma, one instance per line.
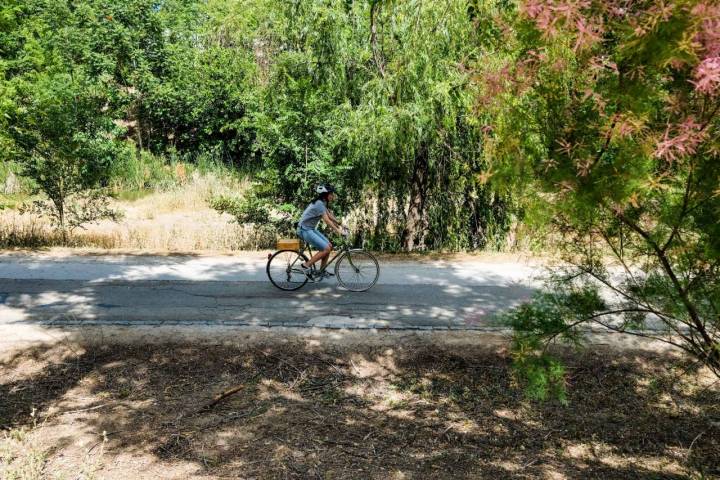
[611, 113]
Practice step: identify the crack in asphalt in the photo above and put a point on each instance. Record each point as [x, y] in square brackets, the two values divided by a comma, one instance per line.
[189, 294]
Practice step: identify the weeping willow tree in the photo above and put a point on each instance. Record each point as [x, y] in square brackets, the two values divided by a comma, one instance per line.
[414, 134]
[374, 97]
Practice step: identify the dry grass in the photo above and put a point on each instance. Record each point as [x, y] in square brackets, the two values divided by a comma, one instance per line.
[309, 411]
[24, 456]
[175, 220]
[21, 458]
[178, 220]
[24, 231]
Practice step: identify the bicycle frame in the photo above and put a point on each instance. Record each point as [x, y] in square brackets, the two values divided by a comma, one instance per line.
[344, 249]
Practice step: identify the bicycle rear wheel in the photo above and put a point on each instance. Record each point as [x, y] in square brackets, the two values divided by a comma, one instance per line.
[357, 270]
[283, 270]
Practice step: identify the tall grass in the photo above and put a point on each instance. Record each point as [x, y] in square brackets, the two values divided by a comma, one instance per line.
[22, 231]
[24, 455]
[138, 171]
[177, 219]
[180, 236]
[20, 456]
[134, 174]
[164, 201]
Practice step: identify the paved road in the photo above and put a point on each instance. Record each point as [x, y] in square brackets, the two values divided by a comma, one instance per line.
[126, 290]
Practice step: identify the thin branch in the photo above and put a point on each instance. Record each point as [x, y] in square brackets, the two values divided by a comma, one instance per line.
[442, 17]
[590, 319]
[664, 316]
[373, 38]
[667, 319]
[605, 146]
[710, 117]
[683, 213]
[645, 335]
[620, 257]
[69, 412]
[227, 393]
[689, 306]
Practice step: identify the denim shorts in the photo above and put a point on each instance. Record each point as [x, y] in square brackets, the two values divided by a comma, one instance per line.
[314, 238]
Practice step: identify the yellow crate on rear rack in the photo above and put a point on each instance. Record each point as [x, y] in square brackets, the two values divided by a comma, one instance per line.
[288, 244]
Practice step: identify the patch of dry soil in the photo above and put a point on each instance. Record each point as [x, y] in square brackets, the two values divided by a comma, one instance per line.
[342, 405]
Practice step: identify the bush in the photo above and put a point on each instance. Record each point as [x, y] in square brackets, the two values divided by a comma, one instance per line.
[557, 315]
[275, 220]
[141, 170]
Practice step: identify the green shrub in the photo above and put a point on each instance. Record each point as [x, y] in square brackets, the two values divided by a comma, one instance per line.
[258, 211]
[142, 170]
[557, 315]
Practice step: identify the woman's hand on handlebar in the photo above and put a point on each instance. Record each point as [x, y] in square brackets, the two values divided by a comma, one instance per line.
[343, 231]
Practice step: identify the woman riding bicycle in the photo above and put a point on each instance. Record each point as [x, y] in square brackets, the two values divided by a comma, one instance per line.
[307, 228]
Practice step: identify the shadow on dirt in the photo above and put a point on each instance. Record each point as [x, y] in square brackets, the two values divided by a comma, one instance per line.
[367, 412]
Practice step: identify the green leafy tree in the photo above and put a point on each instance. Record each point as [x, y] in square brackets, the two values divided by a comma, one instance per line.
[66, 145]
[60, 123]
[375, 97]
[69, 75]
[11, 13]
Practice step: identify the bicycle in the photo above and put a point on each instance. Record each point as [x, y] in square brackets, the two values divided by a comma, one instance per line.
[356, 269]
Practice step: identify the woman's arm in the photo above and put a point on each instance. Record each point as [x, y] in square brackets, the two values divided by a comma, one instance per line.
[332, 222]
[332, 217]
[343, 229]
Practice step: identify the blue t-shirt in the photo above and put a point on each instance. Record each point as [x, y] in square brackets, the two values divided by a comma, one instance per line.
[312, 214]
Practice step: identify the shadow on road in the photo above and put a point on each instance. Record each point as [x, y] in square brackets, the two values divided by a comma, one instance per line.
[198, 290]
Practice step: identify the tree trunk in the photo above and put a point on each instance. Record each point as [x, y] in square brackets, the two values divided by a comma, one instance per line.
[380, 230]
[60, 206]
[59, 201]
[138, 124]
[415, 221]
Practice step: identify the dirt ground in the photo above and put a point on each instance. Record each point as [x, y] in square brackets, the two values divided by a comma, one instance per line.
[528, 258]
[330, 406]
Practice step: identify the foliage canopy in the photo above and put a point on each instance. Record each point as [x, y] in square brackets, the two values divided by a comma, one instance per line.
[373, 96]
[616, 105]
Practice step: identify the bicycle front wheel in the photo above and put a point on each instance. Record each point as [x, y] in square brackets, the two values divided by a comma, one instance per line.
[283, 270]
[357, 270]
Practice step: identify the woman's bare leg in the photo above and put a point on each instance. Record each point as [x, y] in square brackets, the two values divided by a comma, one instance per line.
[326, 257]
[322, 255]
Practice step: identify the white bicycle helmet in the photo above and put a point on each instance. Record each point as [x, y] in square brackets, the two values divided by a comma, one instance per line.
[325, 188]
